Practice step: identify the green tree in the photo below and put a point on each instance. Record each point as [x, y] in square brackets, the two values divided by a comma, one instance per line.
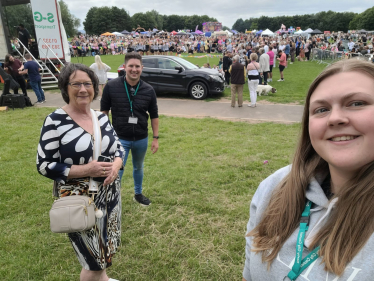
[154, 20]
[89, 23]
[364, 20]
[142, 20]
[120, 19]
[102, 19]
[19, 14]
[239, 25]
[174, 22]
[70, 22]
[254, 26]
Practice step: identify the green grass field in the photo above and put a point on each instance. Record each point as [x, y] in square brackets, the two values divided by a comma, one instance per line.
[201, 182]
[298, 77]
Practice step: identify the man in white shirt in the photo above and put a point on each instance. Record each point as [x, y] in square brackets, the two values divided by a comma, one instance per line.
[266, 47]
[351, 44]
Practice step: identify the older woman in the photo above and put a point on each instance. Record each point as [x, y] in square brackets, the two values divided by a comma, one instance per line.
[65, 154]
[253, 72]
[314, 220]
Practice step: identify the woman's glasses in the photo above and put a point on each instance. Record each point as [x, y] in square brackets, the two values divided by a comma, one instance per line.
[77, 85]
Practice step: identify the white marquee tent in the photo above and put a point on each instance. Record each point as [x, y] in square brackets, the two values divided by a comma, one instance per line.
[267, 32]
[118, 34]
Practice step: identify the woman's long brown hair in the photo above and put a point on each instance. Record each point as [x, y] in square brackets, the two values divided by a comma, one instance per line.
[352, 220]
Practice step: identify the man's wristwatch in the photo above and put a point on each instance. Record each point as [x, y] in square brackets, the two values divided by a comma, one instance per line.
[155, 137]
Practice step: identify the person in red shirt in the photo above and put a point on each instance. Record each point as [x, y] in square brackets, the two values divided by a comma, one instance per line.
[282, 58]
[12, 66]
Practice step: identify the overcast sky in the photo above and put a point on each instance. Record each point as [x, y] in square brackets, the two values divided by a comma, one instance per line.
[224, 11]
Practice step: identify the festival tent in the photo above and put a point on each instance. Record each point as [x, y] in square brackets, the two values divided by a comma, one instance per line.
[220, 32]
[125, 32]
[234, 31]
[228, 33]
[316, 31]
[107, 34]
[259, 32]
[208, 34]
[199, 32]
[267, 32]
[173, 32]
[362, 31]
[118, 34]
[309, 30]
[299, 32]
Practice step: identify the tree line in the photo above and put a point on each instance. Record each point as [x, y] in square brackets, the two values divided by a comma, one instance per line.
[102, 19]
[14, 15]
[324, 21]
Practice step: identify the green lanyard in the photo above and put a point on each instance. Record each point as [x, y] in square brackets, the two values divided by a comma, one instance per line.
[127, 92]
[301, 264]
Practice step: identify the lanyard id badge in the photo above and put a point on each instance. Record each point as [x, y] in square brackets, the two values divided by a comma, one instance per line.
[133, 120]
[301, 264]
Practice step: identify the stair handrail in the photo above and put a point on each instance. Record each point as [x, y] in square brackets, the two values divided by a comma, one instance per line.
[28, 51]
[40, 39]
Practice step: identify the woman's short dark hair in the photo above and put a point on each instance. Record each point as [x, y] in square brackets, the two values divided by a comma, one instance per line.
[67, 71]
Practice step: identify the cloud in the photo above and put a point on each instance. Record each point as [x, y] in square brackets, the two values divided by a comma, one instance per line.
[224, 11]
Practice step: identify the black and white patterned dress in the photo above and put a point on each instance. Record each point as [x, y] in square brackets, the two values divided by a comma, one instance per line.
[64, 143]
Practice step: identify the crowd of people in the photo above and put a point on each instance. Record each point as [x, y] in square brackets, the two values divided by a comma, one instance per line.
[166, 43]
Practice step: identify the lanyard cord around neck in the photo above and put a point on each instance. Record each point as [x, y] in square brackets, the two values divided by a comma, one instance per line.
[127, 92]
[301, 264]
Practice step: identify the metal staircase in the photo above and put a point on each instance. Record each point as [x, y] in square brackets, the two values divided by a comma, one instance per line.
[49, 80]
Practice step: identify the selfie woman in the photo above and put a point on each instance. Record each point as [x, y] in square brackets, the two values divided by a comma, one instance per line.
[314, 220]
[65, 154]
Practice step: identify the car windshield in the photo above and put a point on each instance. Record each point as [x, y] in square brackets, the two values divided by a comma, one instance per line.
[185, 63]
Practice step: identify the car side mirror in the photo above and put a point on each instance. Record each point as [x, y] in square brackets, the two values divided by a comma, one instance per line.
[179, 68]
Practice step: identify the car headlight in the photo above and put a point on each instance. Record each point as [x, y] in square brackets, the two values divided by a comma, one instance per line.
[215, 78]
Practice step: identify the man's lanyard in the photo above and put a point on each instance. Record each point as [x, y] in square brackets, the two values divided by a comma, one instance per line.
[301, 264]
[130, 100]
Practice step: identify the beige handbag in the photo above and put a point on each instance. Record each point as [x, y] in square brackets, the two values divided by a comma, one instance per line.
[76, 213]
[72, 214]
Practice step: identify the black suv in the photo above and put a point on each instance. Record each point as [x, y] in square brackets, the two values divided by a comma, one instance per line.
[174, 74]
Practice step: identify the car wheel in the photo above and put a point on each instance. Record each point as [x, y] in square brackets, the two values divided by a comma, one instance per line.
[198, 91]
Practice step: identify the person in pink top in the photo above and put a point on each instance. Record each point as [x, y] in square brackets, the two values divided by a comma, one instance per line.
[282, 63]
[271, 62]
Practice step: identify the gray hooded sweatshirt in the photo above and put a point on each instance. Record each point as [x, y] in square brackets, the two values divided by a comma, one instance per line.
[361, 268]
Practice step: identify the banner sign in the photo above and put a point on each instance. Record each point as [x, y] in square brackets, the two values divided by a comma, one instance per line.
[212, 26]
[47, 28]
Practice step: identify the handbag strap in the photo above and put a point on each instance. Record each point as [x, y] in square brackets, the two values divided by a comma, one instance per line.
[256, 68]
[94, 185]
